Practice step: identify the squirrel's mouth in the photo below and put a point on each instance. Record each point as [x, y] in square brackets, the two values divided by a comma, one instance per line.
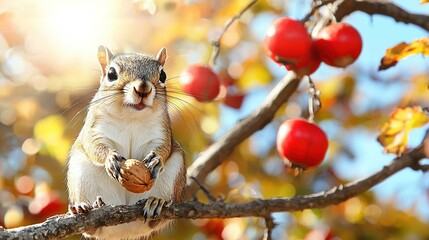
[139, 106]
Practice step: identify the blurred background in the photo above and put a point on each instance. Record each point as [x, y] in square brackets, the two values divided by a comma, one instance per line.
[49, 72]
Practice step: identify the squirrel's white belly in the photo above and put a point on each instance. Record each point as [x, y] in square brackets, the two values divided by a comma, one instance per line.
[132, 140]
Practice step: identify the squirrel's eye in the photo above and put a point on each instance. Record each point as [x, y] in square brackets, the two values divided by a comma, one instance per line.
[112, 75]
[162, 76]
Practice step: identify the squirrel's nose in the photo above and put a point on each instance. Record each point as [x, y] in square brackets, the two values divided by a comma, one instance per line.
[141, 91]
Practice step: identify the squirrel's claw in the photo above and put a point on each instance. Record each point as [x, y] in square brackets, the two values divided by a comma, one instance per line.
[112, 164]
[149, 157]
[98, 202]
[75, 208]
[72, 209]
[154, 164]
[153, 207]
[141, 201]
[79, 208]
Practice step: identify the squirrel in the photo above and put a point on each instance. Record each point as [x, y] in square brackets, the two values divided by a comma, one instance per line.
[127, 119]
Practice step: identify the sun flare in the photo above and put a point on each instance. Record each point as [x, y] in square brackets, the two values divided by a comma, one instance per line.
[72, 25]
[76, 26]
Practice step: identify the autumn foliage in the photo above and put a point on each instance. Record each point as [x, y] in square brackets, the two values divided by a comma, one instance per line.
[367, 117]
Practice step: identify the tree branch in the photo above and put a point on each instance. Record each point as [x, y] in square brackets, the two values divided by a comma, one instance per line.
[372, 7]
[67, 225]
[269, 226]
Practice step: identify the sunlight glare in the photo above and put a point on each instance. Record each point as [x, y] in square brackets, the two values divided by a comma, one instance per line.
[76, 26]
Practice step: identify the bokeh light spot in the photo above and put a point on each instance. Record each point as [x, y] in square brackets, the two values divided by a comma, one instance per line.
[31, 146]
[13, 217]
[24, 184]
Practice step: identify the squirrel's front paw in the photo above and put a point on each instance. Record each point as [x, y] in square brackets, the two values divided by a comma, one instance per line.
[154, 164]
[112, 164]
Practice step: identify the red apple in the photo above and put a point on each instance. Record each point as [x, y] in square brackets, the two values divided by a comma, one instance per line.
[287, 41]
[45, 205]
[214, 228]
[338, 44]
[306, 65]
[320, 234]
[200, 82]
[301, 144]
[234, 100]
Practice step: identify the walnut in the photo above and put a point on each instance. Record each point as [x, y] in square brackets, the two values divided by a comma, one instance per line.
[135, 176]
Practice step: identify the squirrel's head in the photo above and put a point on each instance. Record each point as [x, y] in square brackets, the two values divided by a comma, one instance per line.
[132, 81]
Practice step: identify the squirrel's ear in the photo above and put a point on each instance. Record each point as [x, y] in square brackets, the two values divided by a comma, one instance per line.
[104, 55]
[161, 56]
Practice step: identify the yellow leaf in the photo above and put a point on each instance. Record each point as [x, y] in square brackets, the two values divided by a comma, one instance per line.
[403, 50]
[254, 75]
[339, 88]
[413, 117]
[393, 134]
[50, 132]
[424, 1]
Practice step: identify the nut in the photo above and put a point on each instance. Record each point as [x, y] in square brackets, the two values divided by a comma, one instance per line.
[135, 176]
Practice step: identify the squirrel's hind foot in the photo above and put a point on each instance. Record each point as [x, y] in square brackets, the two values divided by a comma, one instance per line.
[152, 206]
[98, 202]
[75, 208]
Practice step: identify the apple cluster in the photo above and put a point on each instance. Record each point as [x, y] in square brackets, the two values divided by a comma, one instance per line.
[301, 144]
[287, 42]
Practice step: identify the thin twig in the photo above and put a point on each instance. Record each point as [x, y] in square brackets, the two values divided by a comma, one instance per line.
[314, 103]
[417, 166]
[205, 190]
[216, 44]
[269, 227]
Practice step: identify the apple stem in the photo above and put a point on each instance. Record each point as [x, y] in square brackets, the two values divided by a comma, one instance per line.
[314, 103]
[315, 7]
